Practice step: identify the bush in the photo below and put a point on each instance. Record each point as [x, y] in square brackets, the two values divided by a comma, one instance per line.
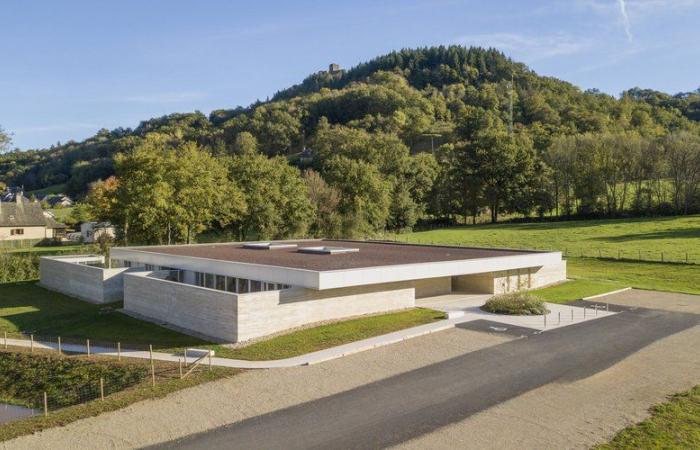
[18, 268]
[516, 303]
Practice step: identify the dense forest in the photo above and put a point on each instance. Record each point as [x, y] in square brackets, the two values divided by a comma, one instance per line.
[446, 134]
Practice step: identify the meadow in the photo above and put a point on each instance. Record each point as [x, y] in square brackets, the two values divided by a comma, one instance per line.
[675, 237]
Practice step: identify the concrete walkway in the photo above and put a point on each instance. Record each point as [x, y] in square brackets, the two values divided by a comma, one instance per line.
[461, 308]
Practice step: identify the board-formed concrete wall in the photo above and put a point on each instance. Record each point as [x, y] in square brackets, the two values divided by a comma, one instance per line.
[195, 310]
[510, 280]
[93, 284]
[264, 313]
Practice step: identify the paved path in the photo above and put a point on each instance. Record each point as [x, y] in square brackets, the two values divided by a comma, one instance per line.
[413, 404]
[468, 311]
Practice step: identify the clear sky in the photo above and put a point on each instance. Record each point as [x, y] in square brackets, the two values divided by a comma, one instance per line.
[69, 68]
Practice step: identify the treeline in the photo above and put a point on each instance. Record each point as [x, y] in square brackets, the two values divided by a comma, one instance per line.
[443, 133]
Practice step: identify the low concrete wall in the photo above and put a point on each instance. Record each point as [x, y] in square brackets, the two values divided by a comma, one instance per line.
[195, 310]
[264, 313]
[93, 284]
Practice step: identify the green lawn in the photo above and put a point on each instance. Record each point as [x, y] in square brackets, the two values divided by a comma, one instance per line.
[53, 189]
[644, 275]
[674, 236]
[674, 424]
[575, 290]
[331, 335]
[29, 308]
[26, 307]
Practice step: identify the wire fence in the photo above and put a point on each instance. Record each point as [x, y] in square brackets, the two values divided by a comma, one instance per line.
[109, 368]
[614, 253]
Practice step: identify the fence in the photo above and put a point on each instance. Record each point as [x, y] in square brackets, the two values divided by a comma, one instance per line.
[120, 369]
[619, 254]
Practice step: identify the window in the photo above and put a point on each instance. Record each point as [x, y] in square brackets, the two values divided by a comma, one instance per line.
[242, 286]
[16, 231]
[255, 286]
[231, 284]
[149, 266]
[221, 282]
[199, 279]
[209, 281]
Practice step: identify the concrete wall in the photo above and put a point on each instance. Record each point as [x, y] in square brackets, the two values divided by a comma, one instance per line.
[431, 287]
[510, 280]
[92, 284]
[264, 313]
[198, 311]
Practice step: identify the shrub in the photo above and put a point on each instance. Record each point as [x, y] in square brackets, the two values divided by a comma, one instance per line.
[515, 303]
[18, 268]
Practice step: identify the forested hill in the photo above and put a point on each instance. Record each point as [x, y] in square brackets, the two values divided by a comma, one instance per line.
[447, 97]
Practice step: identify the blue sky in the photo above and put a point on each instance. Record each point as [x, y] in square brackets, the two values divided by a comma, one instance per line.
[70, 68]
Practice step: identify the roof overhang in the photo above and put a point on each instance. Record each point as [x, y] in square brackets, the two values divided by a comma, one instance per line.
[330, 279]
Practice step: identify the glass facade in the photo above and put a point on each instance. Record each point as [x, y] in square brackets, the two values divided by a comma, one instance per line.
[208, 280]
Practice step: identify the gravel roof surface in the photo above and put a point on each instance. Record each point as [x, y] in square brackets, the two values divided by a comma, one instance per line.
[370, 254]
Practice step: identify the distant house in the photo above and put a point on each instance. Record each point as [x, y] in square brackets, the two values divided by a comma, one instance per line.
[91, 231]
[21, 219]
[58, 201]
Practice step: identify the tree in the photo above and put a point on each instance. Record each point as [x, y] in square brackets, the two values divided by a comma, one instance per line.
[683, 156]
[167, 191]
[276, 195]
[325, 200]
[5, 141]
[365, 195]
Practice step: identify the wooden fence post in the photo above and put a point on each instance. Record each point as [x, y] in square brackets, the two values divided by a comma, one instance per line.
[31, 343]
[87, 346]
[102, 389]
[46, 404]
[153, 369]
[59, 345]
[179, 361]
[119, 351]
[5, 340]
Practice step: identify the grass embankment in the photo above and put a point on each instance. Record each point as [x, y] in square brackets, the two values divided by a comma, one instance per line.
[24, 377]
[59, 375]
[674, 424]
[29, 308]
[325, 336]
[674, 236]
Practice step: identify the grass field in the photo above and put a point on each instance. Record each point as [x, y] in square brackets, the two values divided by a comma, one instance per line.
[28, 308]
[674, 424]
[644, 275]
[53, 189]
[674, 236]
[576, 290]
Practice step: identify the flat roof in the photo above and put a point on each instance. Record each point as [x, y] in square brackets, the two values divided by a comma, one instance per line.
[369, 254]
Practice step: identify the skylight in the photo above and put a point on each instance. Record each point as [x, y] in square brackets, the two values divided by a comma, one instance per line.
[327, 250]
[268, 245]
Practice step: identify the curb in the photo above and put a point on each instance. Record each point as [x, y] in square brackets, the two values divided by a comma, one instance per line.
[605, 294]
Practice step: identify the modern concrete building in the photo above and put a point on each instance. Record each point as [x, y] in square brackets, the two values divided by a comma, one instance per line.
[235, 292]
